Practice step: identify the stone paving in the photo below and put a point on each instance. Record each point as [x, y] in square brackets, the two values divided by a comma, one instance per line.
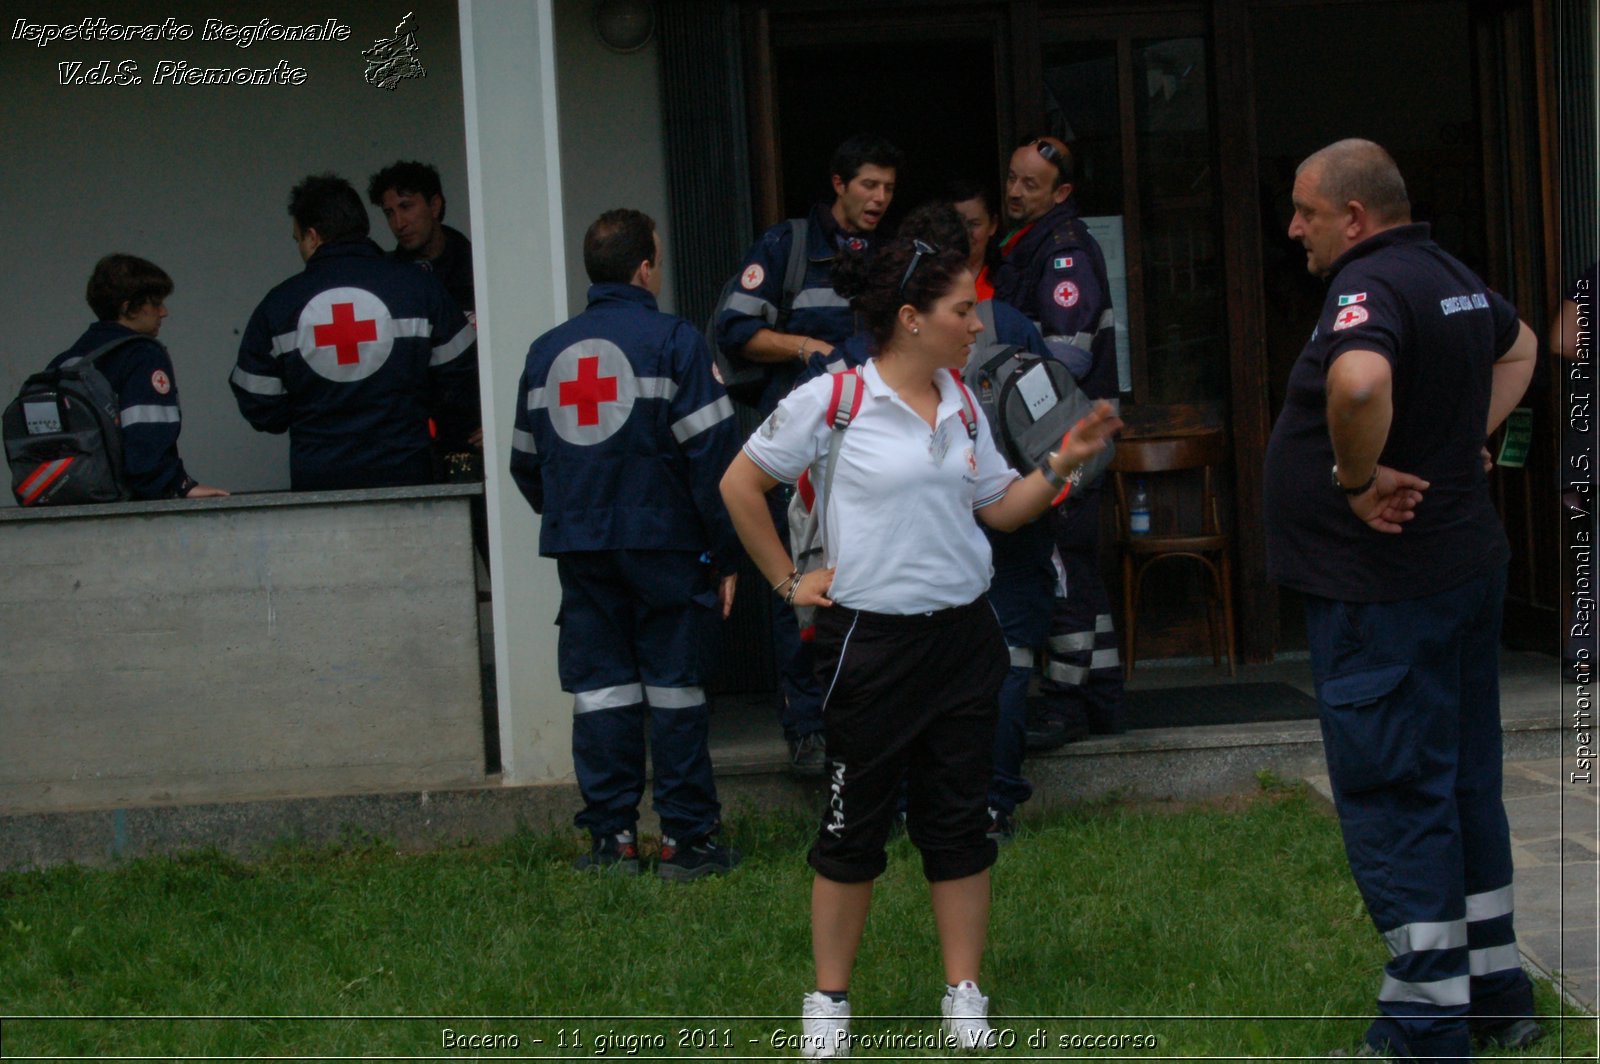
[1555, 845]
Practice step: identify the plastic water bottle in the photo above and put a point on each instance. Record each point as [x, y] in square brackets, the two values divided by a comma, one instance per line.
[1139, 511]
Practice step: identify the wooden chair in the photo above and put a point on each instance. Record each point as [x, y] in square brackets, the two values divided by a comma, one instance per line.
[1155, 460]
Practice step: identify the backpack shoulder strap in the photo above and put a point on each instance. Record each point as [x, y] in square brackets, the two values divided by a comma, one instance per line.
[94, 356]
[969, 409]
[842, 409]
[794, 274]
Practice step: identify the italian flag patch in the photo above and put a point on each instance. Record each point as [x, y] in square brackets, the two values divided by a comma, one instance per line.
[1062, 263]
[1352, 299]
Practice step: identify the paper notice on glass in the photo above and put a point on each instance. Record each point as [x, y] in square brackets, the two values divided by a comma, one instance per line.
[1107, 232]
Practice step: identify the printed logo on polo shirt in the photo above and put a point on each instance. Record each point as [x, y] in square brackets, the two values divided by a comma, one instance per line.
[1352, 298]
[590, 391]
[345, 334]
[1349, 318]
[774, 422]
[1066, 294]
[972, 463]
[1063, 262]
[160, 382]
[752, 277]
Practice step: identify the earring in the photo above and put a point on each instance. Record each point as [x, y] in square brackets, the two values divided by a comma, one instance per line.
[915, 331]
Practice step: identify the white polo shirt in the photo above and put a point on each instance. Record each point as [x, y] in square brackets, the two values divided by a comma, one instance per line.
[900, 526]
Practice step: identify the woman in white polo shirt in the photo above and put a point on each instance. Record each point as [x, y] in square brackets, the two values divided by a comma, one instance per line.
[909, 653]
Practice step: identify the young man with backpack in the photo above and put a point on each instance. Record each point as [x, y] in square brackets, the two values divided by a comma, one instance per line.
[761, 324]
[128, 296]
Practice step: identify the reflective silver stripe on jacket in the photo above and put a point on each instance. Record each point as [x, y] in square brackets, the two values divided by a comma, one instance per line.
[523, 441]
[819, 297]
[284, 343]
[692, 425]
[454, 346]
[619, 697]
[753, 306]
[1021, 657]
[256, 385]
[150, 415]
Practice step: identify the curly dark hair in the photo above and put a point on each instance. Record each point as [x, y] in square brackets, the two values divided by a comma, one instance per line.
[879, 287]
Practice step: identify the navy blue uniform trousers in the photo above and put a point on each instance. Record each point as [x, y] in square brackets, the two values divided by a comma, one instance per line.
[1410, 704]
[1022, 592]
[634, 631]
[1083, 680]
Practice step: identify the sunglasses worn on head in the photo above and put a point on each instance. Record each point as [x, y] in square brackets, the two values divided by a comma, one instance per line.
[919, 248]
[1052, 154]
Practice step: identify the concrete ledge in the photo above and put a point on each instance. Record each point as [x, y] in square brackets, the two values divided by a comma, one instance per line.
[249, 647]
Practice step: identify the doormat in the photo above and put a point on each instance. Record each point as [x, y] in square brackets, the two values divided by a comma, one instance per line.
[1233, 703]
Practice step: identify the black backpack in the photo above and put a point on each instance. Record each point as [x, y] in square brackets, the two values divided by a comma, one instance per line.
[63, 436]
[1030, 401]
[743, 378]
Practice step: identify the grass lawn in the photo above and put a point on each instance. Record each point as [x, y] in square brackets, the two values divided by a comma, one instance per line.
[1215, 931]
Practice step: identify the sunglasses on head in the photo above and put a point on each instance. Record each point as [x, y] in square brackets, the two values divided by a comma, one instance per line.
[1051, 154]
[919, 249]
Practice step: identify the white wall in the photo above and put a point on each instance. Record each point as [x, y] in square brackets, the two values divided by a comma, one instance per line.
[196, 178]
[612, 152]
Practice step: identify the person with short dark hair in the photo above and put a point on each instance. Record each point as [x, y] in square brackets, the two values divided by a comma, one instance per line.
[1377, 507]
[413, 203]
[912, 650]
[621, 435]
[1051, 268]
[353, 356]
[975, 202]
[129, 297]
[862, 174]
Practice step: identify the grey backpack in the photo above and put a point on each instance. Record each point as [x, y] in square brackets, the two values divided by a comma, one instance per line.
[63, 436]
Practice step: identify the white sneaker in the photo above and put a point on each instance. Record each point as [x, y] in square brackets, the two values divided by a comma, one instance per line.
[826, 1027]
[966, 1017]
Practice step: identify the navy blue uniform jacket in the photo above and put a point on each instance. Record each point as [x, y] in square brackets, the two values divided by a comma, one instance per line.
[622, 433]
[1056, 275]
[140, 372]
[351, 357]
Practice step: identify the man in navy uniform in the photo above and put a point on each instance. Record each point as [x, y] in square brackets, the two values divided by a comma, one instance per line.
[1412, 364]
[353, 355]
[622, 435]
[1052, 270]
[753, 328]
[412, 201]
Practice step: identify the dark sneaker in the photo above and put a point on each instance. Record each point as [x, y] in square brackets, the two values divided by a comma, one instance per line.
[692, 860]
[1518, 1034]
[1052, 733]
[1000, 829]
[617, 853]
[808, 755]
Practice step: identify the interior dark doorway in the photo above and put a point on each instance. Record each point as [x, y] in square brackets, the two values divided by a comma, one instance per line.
[934, 99]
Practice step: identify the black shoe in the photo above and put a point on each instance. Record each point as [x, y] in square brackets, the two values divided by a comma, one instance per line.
[1052, 733]
[808, 756]
[702, 857]
[617, 853]
[1518, 1034]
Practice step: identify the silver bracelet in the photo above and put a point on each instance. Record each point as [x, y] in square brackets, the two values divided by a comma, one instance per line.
[1051, 477]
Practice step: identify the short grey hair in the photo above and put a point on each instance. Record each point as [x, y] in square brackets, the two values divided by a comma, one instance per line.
[1362, 171]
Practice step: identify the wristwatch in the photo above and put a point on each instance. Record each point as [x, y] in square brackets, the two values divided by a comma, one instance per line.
[1051, 477]
[1360, 489]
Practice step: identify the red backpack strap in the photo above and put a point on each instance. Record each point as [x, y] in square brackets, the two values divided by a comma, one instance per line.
[846, 401]
[969, 409]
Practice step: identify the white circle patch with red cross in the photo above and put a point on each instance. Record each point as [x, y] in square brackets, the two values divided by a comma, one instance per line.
[1349, 318]
[161, 382]
[1066, 294]
[347, 334]
[589, 391]
[752, 277]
